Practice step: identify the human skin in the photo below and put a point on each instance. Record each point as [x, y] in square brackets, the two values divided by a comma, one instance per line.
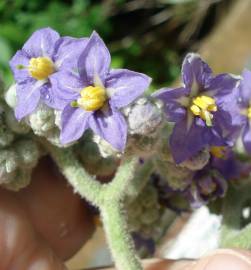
[46, 223]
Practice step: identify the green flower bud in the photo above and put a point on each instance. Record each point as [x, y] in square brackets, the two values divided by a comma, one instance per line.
[198, 161]
[28, 153]
[176, 176]
[8, 165]
[144, 213]
[21, 180]
[42, 121]
[19, 127]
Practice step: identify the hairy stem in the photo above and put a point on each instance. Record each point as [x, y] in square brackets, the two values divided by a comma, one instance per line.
[116, 189]
[82, 182]
[120, 241]
[108, 198]
[232, 234]
[140, 179]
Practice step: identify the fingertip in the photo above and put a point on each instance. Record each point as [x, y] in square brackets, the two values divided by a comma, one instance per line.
[165, 264]
[230, 259]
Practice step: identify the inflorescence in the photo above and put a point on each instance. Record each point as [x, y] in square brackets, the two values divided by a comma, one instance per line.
[66, 92]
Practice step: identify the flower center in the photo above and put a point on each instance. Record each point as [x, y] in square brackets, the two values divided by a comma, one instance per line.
[202, 106]
[92, 98]
[41, 67]
[218, 151]
[249, 112]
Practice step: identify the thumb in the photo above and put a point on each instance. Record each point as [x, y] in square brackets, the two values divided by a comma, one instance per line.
[229, 259]
[21, 248]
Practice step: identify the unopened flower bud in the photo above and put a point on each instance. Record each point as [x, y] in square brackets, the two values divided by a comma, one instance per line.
[177, 177]
[198, 161]
[144, 117]
[19, 127]
[28, 153]
[42, 121]
[8, 165]
[6, 136]
[21, 180]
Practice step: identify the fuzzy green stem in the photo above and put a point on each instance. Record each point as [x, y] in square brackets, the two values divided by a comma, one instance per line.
[140, 179]
[119, 239]
[116, 189]
[82, 182]
[108, 198]
[232, 235]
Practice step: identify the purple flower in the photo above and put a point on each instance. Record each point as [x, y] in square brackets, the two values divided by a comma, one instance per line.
[207, 185]
[92, 97]
[226, 163]
[203, 110]
[43, 54]
[244, 95]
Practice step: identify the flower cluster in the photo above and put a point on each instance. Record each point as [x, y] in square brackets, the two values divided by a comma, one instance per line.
[74, 76]
[70, 81]
[18, 155]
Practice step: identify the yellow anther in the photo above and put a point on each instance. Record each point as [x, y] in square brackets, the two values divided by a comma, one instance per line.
[195, 109]
[92, 98]
[249, 112]
[41, 67]
[218, 151]
[202, 106]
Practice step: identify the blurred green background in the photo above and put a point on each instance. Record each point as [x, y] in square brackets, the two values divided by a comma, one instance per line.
[149, 36]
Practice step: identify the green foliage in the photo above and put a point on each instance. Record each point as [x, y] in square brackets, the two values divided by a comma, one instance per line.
[20, 18]
[79, 18]
[149, 37]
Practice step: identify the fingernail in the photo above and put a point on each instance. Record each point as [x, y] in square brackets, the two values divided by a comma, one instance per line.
[225, 259]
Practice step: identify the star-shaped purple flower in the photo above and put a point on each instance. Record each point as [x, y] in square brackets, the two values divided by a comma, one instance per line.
[244, 98]
[93, 97]
[43, 54]
[208, 185]
[203, 110]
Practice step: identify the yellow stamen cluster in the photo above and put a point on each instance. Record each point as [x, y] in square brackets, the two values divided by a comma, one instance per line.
[92, 98]
[202, 106]
[249, 112]
[218, 151]
[41, 67]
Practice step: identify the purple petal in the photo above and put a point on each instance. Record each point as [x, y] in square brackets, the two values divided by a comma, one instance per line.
[41, 43]
[195, 71]
[124, 86]
[17, 61]
[228, 117]
[246, 137]
[28, 96]
[187, 141]
[66, 87]
[111, 126]
[74, 122]
[172, 99]
[229, 167]
[95, 60]
[68, 51]
[245, 87]
[221, 85]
